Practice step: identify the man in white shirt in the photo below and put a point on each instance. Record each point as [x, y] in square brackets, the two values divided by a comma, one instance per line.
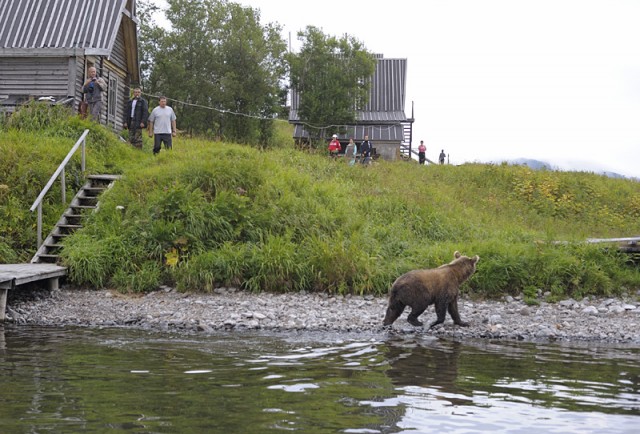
[162, 125]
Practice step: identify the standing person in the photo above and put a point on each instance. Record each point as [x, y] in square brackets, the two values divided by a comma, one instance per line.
[365, 150]
[334, 146]
[92, 90]
[136, 115]
[442, 156]
[162, 125]
[350, 152]
[422, 152]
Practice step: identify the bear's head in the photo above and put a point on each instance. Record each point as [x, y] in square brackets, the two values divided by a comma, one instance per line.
[466, 264]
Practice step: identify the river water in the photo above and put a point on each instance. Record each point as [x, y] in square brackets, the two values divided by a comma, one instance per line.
[68, 380]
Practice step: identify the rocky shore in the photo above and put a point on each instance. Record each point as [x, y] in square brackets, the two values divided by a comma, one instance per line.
[611, 320]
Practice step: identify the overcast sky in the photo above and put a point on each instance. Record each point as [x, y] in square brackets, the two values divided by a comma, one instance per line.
[554, 80]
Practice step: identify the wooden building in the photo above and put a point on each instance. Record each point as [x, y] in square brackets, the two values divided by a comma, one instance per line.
[47, 47]
[383, 119]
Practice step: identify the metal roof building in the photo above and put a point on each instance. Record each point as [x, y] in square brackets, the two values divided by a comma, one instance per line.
[383, 119]
[46, 47]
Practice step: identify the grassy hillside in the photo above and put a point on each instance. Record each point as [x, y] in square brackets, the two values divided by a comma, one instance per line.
[211, 214]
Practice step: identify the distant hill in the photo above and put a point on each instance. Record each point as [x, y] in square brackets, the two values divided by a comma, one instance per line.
[543, 165]
[533, 164]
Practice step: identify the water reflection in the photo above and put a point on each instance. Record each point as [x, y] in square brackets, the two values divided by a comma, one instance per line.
[69, 380]
[430, 363]
[551, 387]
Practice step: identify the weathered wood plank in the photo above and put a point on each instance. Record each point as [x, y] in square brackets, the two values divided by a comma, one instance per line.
[614, 240]
[12, 275]
[3, 303]
[26, 273]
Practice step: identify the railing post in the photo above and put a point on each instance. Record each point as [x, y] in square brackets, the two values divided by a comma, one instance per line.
[63, 185]
[82, 159]
[39, 224]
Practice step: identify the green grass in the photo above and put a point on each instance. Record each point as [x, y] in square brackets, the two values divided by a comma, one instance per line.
[209, 214]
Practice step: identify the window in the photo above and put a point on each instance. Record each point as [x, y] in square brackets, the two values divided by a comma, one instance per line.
[112, 101]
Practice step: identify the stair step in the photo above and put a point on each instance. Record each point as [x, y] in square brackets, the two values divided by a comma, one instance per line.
[70, 226]
[108, 178]
[53, 246]
[47, 256]
[83, 206]
[95, 189]
[60, 235]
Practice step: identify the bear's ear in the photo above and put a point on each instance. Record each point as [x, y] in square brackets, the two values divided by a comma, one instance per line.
[456, 254]
[476, 258]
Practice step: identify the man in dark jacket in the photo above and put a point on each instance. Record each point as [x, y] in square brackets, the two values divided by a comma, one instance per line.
[365, 150]
[136, 115]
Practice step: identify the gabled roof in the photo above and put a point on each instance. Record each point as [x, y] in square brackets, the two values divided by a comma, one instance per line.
[386, 96]
[60, 26]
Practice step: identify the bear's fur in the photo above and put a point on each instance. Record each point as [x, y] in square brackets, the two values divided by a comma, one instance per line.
[419, 289]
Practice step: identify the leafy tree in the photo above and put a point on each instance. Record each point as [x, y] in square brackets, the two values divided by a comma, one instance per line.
[332, 77]
[149, 37]
[219, 60]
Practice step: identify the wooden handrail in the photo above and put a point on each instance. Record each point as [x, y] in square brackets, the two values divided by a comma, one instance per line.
[59, 172]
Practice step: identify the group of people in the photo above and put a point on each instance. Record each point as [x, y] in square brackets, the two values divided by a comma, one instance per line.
[160, 124]
[422, 154]
[351, 151]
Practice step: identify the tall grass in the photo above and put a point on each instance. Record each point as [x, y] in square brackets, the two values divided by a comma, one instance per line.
[209, 214]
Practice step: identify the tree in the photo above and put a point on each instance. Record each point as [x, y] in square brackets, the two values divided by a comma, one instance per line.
[332, 77]
[223, 64]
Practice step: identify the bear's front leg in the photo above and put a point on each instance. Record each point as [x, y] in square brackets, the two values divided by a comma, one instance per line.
[455, 315]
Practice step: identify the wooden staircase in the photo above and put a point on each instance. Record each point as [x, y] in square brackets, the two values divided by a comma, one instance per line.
[71, 219]
[407, 138]
[405, 146]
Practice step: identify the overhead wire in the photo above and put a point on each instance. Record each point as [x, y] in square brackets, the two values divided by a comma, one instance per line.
[306, 124]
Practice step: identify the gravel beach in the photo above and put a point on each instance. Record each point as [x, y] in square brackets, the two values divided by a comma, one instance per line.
[610, 320]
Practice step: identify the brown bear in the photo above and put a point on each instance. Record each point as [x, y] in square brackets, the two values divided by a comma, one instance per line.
[421, 288]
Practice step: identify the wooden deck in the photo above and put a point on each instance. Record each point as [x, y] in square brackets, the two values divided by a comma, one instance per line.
[12, 275]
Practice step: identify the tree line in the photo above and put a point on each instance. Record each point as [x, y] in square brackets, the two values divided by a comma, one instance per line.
[229, 74]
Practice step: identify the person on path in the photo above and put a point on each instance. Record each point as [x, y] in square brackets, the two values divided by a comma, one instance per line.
[442, 156]
[162, 125]
[365, 150]
[92, 90]
[422, 152]
[136, 115]
[334, 146]
[350, 152]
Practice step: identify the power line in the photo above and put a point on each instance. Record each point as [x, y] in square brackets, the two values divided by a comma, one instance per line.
[230, 112]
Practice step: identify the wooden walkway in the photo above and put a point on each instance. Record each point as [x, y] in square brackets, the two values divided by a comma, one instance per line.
[12, 275]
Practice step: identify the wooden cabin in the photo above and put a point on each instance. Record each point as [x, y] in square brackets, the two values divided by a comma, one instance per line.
[47, 47]
[383, 119]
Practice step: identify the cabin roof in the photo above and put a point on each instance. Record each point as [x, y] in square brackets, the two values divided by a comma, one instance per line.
[384, 113]
[60, 25]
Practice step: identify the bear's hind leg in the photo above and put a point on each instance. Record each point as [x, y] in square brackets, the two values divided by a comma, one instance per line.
[416, 311]
[394, 310]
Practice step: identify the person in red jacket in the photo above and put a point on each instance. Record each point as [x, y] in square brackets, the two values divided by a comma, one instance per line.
[422, 152]
[334, 146]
